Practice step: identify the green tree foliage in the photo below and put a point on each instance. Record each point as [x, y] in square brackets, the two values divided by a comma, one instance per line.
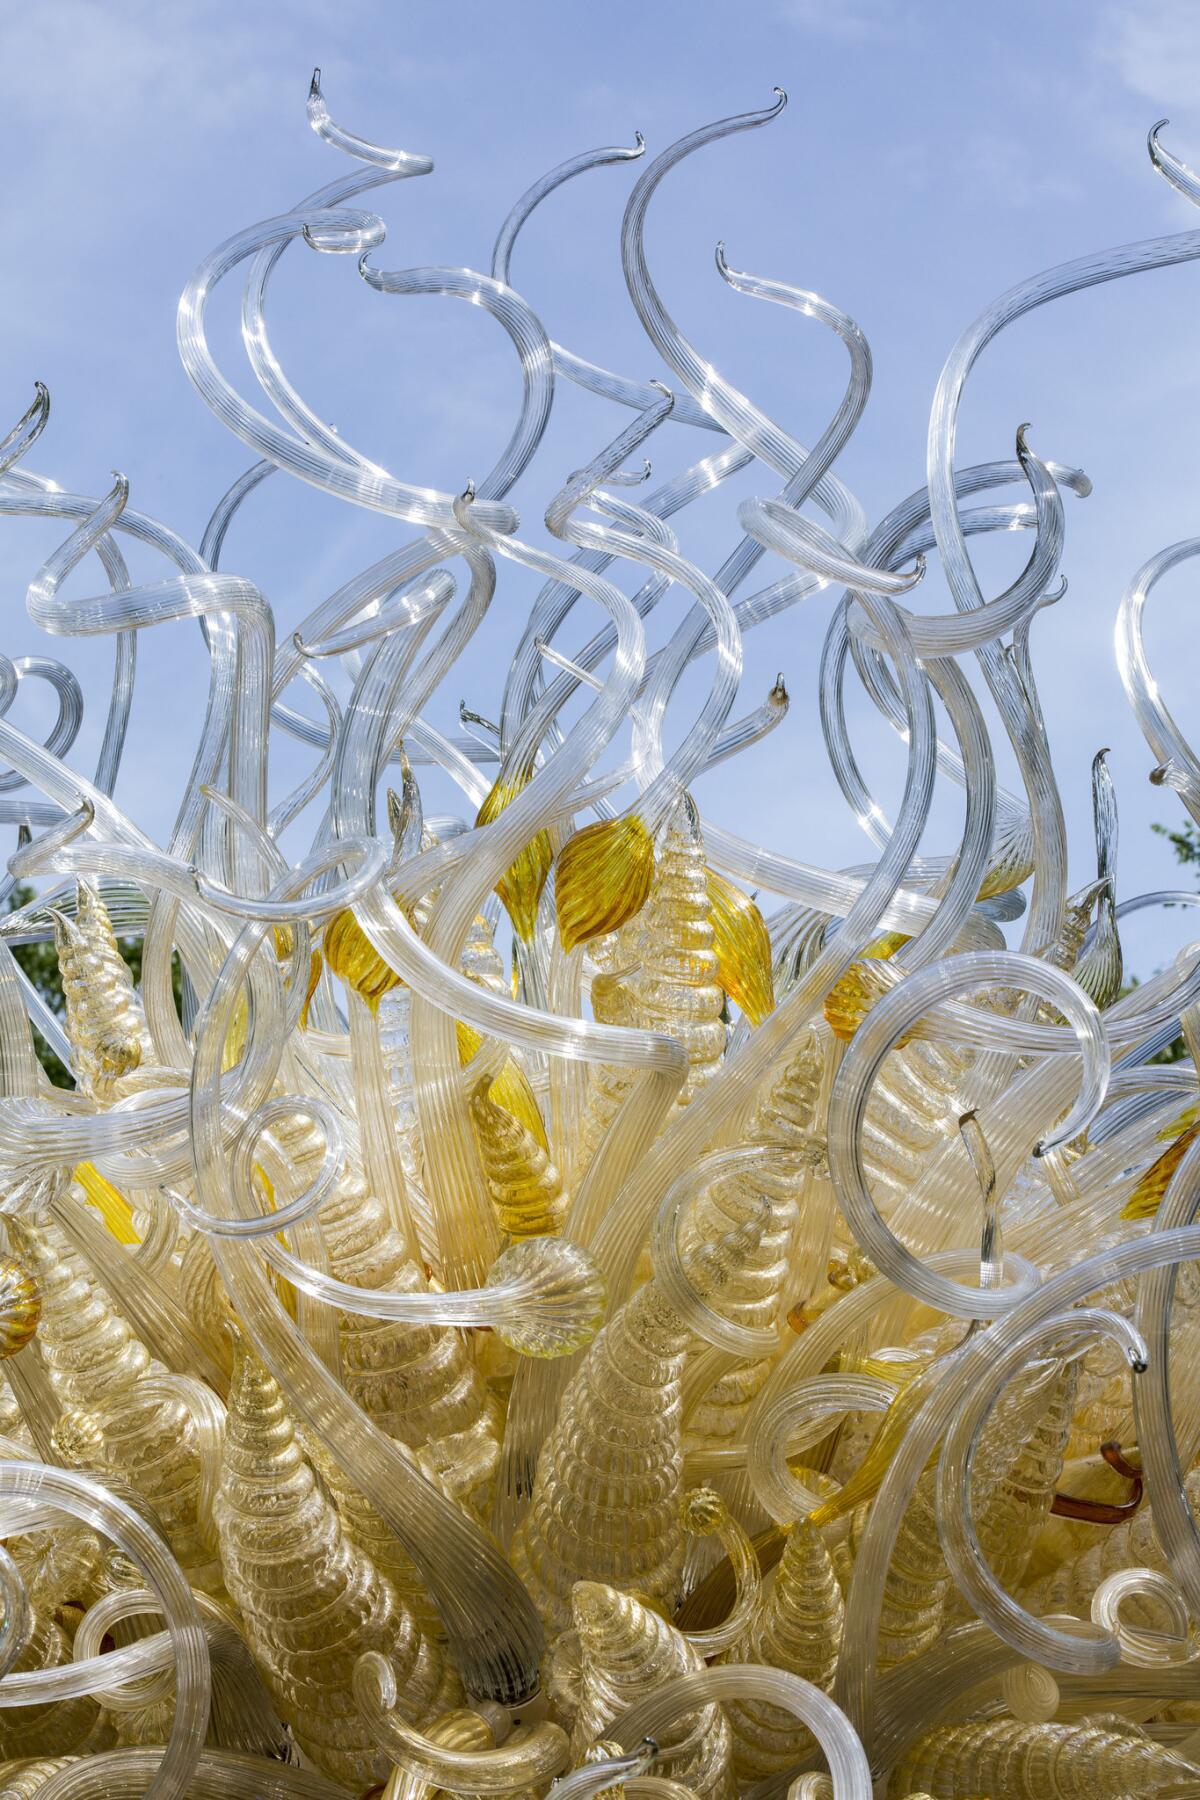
[1185, 842]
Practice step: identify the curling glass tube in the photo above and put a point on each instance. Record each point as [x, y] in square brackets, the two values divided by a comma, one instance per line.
[884, 1025]
[855, 1683]
[29, 1493]
[966, 1560]
[753, 1681]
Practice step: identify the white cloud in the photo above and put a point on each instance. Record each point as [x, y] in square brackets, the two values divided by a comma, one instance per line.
[183, 63]
[1154, 47]
[1014, 172]
[190, 68]
[852, 22]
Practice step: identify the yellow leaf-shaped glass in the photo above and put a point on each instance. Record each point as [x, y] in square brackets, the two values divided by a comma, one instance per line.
[603, 879]
[352, 956]
[521, 886]
[743, 948]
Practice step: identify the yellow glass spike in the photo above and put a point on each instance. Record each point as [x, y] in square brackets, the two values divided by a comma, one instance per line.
[626, 1651]
[112, 1205]
[603, 879]
[521, 887]
[314, 976]
[752, 1298]
[1147, 1196]
[743, 948]
[526, 1188]
[798, 1628]
[1050, 1758]
[103, 1014]
[1189, 1116]
[592, 1510]
[851, 998]
[510, 1089]
[676, 984]
[308, 1626]
[865, 1482]
[98, 1367]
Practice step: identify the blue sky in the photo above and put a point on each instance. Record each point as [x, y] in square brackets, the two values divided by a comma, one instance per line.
[932, 155]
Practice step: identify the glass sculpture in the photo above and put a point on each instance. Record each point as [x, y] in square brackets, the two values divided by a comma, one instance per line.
[497, 1307]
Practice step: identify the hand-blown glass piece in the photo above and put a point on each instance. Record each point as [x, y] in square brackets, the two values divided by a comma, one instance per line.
[554, 1297]
[798, 1628]
[605, 1497]
[99, 1374]
[104, 1020]
[676, 982]
[312, 1603]
[626, 1650]
[1106, 1758]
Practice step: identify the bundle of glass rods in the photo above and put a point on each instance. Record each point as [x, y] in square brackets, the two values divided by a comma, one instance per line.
[557, 1298]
